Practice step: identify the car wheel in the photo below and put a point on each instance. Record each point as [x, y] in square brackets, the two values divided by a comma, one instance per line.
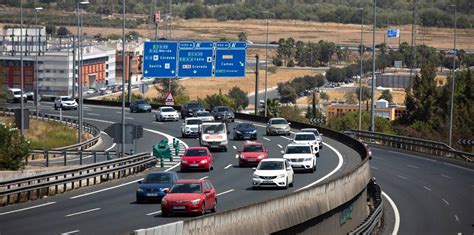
[311, 170]
[214, 208]
[268, 134]
[149, 111]
[254, 187]
[164, 213]
[55, 107]
[317, 154]
[182, 170]
[225, 149]
[286, 186]
[291, 184]
[139, 201]
[183, 135]
[203, 212]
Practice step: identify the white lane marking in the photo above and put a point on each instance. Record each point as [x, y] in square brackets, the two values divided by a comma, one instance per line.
[105, 189]
[234, 147]
[279, 146]
[284, 137]
[408, 155]
[267, 139]
[339, 165]
[396, 226]
[83, 212]
[402, 177]
[129, 118]
[236, 156]
[159, 123]
[460, 167]
[27, 208]
[456, 217]
[227, 167]
[445, 176]
[93, 114]
[447, 203]
[111, 147]
[71, 232]
[373, 167]
[427, 188]
[412, 166]
[228, 191]
[377, 157]
[154, 213]
[205, 177]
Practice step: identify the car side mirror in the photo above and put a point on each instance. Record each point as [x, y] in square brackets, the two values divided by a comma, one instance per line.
[140, 182]
[254, 169]
[207, 191]
[289, 168]
[166, 190]
[289, 123]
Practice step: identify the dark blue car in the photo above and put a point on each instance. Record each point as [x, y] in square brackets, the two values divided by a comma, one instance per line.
[151, 188]
[245, 131]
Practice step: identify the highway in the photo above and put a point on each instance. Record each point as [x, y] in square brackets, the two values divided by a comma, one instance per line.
[112, 210]
[431, 196]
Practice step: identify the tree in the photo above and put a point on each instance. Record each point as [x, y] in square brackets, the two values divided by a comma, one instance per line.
[63, 31]
[288, 94]
[162, 86]
[132, 35]
[366, 95]
[218, 100]
[350, 98]
[324, 96]
[350, 120]
[335, 75]
[3, 91]
[14, 148]
[242, 36]
[51, 29]
[386, 95]
[273, 107]
[327, 49]
[240, 98]
[196, 11]
[293, 113]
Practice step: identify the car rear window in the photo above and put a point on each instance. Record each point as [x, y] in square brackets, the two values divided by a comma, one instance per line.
[305, 137]
[141, 102]
[186, 188]
[157, 178]
[195, 153]
[214, 129]
[245, 126]
[279, 121]
[298, 149]
[271, 166]
[222, 109]
[203, 114]
[168, 110]
[194, 122]
[66, 99]
[253, 148]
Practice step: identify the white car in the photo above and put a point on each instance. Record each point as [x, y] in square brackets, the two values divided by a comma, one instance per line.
[205, 116]
[213, 135]
[166, 113]
[91, 91]
[273, 172]
[65, 102]
[301, 156]
[308, 138]
[319, 136]
[14, 95]
[190, 127]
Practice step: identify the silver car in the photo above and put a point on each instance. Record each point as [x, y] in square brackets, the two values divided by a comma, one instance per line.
[278, 126]
[65, 102]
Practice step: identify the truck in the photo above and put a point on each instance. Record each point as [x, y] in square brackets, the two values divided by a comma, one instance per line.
[213, 135]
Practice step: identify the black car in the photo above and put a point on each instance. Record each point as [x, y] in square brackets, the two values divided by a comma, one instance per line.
[154, 185]
[246, 131]
[188, 109]
[140, 106]
[222, 113]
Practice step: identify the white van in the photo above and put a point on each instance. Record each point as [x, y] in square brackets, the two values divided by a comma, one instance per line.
[14, 95]
[213, 135]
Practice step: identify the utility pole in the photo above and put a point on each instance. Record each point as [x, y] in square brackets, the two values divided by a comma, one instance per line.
[372, 111]
[22, 79]
[156, 22]
[451, 113]
[256, 85]
[123, 79]
[266, 70]
[361, 68]
[36, 97]
[413, 41]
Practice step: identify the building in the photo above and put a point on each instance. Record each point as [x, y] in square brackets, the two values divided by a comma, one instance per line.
[133, 64]
[55, 65]
[392, 80]
[382, 109]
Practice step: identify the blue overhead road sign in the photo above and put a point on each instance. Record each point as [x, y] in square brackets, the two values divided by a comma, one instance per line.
[393, 33]
[160, 59]
[230, 59]
[195, 59]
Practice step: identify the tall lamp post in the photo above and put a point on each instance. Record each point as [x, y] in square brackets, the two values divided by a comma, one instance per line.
[80, 65]
[453, 80]
[266, 67]
[413, 40]
[123, 78]
[361, 55]
[22, 118]
[372, 111]
[36, 97]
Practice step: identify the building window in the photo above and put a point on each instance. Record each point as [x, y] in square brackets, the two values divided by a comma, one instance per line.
[48, 71]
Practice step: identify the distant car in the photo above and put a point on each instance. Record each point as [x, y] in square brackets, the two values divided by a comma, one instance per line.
[273, 172]
[205, 116]
[190, 127]
[214, 135]
[14, 95]
[154, 185]
[166, 113]
[197, 158]
[223, 113]
[315, 131]
[301, 156]
[349, 133]
[91, 91]
[308, 138]
[140, 106]
[278, 126]
[252, 153]
[190, 196]
[188, 109]
[105, 91]
[246, 131]
[65, 102]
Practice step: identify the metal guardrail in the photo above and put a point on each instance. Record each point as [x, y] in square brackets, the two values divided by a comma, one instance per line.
[35, 187]
[414, 144]
[51, 157]
[375, 215]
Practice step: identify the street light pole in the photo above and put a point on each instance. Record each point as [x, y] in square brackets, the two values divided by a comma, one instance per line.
[22, 118]
[36, 96]
[453, 82]
[372, 111]
[361, 68]
[79, 80]
[80, 65]
[413, 41]
[266, 70]
[123, 78]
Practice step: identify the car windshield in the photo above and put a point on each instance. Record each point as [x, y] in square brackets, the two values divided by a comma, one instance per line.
[16, 92]
[157, 179]
[194, 105]
[298, 149]
[279, 121]
[186, 188]
[203, 114]
[193, 122]
[270, 166]
[67, 99]
[195, 153]
[166, 110]
[253, 148]
[245, 126]
[222, 109]
[214, 129]
[305, 137]
[315, 131]
[141, 102]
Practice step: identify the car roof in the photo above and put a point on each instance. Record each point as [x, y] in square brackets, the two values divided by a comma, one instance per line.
[192, 118]
[190, 181]
[308, 129]
[296, 144]
[166, 107]
[277, 119]
[196, 148]
[304, 133]
[202, 111]
[14, 89]
[65, 96]
[273, 160]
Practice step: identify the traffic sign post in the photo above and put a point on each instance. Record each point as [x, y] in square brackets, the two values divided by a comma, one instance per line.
[230, 59]
[195, 59]
[169, 100]
[393, 33]
[160, 59]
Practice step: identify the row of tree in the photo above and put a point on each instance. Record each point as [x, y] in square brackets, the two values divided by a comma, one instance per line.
[291, 53]
[298, 87]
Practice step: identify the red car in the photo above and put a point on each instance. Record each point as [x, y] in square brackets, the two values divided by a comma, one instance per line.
[197, 158]
[252, 154]
[192, 196]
